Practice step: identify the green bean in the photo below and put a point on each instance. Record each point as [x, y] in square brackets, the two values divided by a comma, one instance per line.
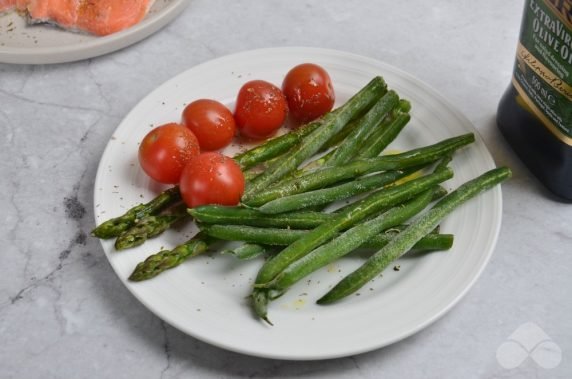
[256, 237]
[327, 195]
[337, 139]
[332, 123]
[260, 303]
[438, 193]
[246, 251]
[216, 214]
[330, 175]
[403, 106]
[347, 242]
[275, 146]
[373, 204]
[417, 230]
[367, 124]
[384, 136]
[253, 234]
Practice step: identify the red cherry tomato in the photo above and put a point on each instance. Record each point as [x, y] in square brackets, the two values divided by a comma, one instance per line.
[211, 122]
[211, 178]
[261, 109]
[166, 150]
[309, 91]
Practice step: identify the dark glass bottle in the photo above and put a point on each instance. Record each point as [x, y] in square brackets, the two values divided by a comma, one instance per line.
[535, 113]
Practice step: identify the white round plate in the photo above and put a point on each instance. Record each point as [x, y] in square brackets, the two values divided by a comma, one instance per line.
[41, 44]
[205, 297]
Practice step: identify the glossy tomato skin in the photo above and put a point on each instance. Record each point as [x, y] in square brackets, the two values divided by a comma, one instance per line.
[211, 178]
[309, 92]
[211, 122]
[166, 150]
[261, 109]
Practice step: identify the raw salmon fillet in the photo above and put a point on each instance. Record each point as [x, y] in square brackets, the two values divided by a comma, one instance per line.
[7, 5]
[99, 17]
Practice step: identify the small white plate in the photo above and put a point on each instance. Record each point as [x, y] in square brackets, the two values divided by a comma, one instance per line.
[41, 44]
[205, 297]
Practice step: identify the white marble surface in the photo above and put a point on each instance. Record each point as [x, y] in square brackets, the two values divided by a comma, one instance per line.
[64, 313]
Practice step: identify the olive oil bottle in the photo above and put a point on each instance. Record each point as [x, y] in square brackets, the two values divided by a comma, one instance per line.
[535, 113]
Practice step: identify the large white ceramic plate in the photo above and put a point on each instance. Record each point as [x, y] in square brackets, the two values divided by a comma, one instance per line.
[41, 44]
[206, 296]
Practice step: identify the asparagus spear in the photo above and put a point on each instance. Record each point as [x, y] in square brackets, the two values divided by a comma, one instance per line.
[166, 259]
[116, 226]
[148, 227]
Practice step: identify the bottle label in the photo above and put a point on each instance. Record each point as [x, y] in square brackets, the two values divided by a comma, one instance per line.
[543, 69]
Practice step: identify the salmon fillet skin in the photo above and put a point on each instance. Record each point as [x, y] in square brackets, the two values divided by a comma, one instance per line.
[98, 17]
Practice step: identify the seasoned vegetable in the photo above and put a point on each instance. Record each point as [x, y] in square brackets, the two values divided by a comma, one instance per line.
[166, 259]
[332, 123]
[211, 178]
[384, 136]
[330, 175]
[347, 242]
[115, 226]
[256, 237]
[331, 194]
[309, 91]
[148, 227]
[211, 122]
[213, 214]
[246, 251]
[166, 150]
[276, 146]
[366, 126]
[417, 230]
[373, 204]
[261, 109]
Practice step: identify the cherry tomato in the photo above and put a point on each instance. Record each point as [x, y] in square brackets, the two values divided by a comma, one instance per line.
[211, 178]
[309, 91]
[261, 109]
[211, 122]
[166, 150]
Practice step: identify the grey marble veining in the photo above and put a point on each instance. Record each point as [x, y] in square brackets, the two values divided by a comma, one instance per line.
[64, 313]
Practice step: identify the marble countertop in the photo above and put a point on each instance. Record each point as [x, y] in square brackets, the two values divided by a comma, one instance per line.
[65, 314]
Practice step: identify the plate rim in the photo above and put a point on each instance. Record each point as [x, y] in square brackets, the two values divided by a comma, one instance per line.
[96, 47]
[497, 213]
